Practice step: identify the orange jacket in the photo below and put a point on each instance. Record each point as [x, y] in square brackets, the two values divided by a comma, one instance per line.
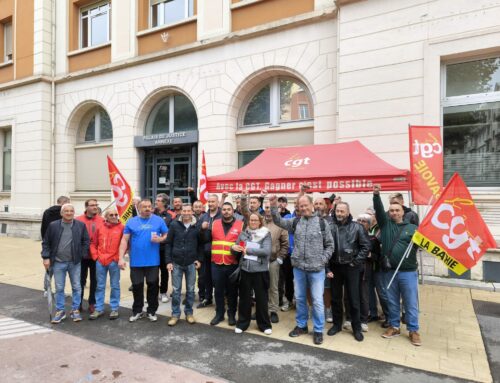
[221, 243]
[92, 224]
[105, 248]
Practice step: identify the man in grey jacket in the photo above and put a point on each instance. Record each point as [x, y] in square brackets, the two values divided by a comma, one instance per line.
[312, 250]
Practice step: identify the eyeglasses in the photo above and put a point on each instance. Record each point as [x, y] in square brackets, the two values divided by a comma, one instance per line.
[113, 215]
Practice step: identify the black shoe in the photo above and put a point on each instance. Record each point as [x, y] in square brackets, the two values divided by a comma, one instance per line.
[334, 330]
[204, 303]
[184, 301]
[297, 331]
[274, 317]
[253, 317]
[131, 288]
[403, 318]
[216, 320]
[385, 325]
[231, 319]
[358, 336]
[373, 319]
[318, 337]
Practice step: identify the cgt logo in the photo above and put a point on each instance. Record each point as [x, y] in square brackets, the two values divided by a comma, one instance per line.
[446, 219]
[297, 162]
[426, 149]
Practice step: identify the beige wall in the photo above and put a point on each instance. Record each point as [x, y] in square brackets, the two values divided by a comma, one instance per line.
[21, 14]
[266, 11]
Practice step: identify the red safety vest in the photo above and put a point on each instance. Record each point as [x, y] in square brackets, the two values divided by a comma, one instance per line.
[221, 243]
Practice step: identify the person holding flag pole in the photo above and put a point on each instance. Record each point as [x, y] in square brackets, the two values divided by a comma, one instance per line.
[397, 247]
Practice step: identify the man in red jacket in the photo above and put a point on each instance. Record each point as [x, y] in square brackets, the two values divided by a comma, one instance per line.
[92, 221]
[104, 251]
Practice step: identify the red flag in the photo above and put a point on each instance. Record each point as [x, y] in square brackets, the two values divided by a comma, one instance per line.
[203, 181]
[426, 163]
[454, 231]
[121, 191]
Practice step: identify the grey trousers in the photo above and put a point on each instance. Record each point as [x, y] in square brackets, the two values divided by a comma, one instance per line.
[274, 276]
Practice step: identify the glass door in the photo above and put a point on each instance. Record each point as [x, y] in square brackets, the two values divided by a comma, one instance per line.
[167, 173]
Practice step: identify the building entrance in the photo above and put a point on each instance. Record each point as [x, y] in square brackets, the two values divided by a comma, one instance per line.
[170, 171]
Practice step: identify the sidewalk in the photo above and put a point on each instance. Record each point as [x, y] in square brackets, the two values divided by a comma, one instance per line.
[452, 341]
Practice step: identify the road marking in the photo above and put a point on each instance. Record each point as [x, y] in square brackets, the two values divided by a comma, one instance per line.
[13, 328]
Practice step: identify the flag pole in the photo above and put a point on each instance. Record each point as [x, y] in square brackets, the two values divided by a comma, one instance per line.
[407, 251]
[107, 207]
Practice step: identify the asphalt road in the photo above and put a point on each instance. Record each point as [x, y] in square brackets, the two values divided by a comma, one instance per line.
[223, 354]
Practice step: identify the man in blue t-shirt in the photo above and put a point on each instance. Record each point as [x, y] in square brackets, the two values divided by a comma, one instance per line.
[144, 232]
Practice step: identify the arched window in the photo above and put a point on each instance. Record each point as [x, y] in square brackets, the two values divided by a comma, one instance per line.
[94, 142]
[174, 113]
[279, 101]
[96, 127]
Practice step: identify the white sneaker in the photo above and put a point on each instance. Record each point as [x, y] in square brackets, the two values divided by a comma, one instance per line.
[347, 325]
[152, 317]
[268, 331]
[164, 298]
[238, 330]
[364, 327]
[328, 315]
[136, 317]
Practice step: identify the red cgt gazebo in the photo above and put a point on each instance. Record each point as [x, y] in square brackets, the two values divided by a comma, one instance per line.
[345, 167]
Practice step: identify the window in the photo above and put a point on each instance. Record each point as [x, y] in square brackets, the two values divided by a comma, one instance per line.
[6, 159]
[7, 41]
[97, 127]
[174, 113]
[247, 157]
[303, 111]
[170, 11]
[94, 143]
[278, 102]
[95, 25]
[471, 121]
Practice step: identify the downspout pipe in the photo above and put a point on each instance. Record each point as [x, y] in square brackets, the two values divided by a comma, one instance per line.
[53, 104]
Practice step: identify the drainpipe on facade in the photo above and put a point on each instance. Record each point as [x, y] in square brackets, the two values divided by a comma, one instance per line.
[53, 104]
[337, 59]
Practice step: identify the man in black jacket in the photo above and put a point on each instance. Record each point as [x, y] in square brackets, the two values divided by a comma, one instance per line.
[205, 284]
[183, 255]
[52, 214]
[161, 210]
[351, 249]
[64, 244]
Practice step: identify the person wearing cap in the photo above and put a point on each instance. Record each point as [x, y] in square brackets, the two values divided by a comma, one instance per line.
[282, 205]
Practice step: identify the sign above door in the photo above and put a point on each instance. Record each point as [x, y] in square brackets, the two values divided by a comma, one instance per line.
[166, 139]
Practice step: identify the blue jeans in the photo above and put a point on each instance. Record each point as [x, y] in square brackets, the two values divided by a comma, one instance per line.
[177, 273]
[114, 281]
[60, 269]
[405, 286]
[315, 282]
[381, 282]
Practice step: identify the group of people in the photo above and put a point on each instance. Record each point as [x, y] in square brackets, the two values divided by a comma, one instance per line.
[318, 259]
